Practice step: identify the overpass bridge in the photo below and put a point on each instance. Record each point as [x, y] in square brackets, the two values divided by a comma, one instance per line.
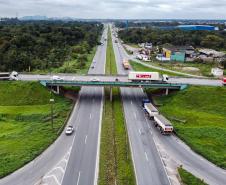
[111, 81]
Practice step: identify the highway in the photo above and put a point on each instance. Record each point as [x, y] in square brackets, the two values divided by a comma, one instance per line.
[149, 168]
[86, 118]
[82, 166]
[171, 147]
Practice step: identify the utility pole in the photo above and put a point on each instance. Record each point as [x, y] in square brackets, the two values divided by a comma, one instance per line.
[51, 101]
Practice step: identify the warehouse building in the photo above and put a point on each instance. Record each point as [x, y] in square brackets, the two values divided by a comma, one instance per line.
[197, 27]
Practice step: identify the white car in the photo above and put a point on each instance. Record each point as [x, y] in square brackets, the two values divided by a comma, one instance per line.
[94, 79]
[56, 78]
[69, 130]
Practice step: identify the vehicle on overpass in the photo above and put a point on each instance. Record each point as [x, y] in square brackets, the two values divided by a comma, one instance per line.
[125, 64]
[224, 81]
[57, 78]
[163, 124]
[148, 77]
[9, 76]
[149, 108]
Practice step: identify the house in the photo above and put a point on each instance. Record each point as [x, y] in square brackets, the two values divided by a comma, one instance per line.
[211, 55]
[178, 53]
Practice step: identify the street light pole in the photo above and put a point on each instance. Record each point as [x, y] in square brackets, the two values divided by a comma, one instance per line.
[52, 101]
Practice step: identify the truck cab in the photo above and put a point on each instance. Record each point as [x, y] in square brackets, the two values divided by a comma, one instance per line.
[224, 81]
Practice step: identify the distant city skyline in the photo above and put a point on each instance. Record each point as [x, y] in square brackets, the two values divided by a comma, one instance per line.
[118, 9]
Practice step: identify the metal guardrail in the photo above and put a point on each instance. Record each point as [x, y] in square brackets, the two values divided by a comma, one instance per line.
[114, 84]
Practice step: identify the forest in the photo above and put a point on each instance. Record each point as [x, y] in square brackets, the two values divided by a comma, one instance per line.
[42, 45]
[208, 39]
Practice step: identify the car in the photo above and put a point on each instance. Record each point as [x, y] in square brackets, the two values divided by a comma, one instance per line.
[116, 79]
[69, 130]
[56, 78]
[92, 67]
[94, 79]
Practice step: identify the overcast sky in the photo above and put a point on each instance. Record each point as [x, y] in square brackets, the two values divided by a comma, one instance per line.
[125, 9]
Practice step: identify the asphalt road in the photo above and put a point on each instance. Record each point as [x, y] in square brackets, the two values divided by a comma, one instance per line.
[174, 148]
[149, 168]
[85, 118]
[82, 167]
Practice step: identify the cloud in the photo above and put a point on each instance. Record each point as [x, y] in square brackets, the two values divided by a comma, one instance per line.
[146, 9]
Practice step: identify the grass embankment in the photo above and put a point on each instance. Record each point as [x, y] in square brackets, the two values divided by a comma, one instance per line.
[25, 122]
[115, 160]
[189, 179]
[202, 115]
[204, 69]
[140, 67]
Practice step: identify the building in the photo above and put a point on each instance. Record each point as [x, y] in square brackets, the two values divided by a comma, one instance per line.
[197, 27]
[217, 72]
[211, 55]
[178, 53]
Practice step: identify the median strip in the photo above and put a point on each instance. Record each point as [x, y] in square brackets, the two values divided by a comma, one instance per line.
[115, 159]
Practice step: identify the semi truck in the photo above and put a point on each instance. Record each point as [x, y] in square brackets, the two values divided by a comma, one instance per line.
[147, 77]
[9, 76]
[224, 81]
[149, 108]
[163, 124]
[125, 64]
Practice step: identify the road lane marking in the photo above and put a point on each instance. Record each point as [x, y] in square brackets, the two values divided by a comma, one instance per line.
[140, 131]
[78, 178]
[90, 116]
[52, 176]
[131, 102]
[146, 156]
[85, 139]
[135, 115]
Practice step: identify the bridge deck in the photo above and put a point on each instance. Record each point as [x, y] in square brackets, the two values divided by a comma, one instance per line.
[113, 84]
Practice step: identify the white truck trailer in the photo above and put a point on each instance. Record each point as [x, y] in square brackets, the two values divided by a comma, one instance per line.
[9, 76]
[163, 124]
[150, 109]
[147, 76]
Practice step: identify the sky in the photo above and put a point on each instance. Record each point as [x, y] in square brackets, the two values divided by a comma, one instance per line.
[116, 9]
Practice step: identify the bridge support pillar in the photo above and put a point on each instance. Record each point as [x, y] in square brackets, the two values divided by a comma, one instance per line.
[110, 93]
[58, 90]
[167, 91]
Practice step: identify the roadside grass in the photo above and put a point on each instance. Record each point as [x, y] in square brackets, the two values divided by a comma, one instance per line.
[188, 178]
[204, 110]
[25, 122]
[140, 67]
[115, 159]
[204, 68]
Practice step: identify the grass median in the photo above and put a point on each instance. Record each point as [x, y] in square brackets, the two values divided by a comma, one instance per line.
[188, 178]
[115, 159]
[202, 111]
[25, 122]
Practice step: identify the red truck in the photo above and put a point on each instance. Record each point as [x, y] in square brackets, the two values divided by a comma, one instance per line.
[224, 80]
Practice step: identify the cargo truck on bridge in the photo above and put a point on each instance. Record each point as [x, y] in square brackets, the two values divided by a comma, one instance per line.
[125, 64]
[9, 76]
[148, 77]
[224, 81]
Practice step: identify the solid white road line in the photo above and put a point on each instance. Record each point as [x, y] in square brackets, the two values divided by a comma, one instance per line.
[90, 116]
[78, 178]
